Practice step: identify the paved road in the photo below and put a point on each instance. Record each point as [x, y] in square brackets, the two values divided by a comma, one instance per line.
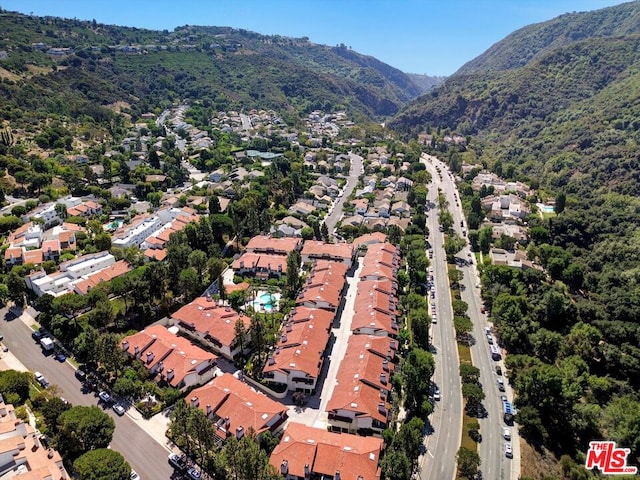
[144, 454]
[439, 462]
[494, 463]
[352, 182]
[246, 121]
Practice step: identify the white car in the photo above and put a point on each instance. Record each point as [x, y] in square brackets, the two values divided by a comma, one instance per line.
[104, 396]
[506, 433]
[436, 394]
[134, 475]
[508, 451]
[119, 409]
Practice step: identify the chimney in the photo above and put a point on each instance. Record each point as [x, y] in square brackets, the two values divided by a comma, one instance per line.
[160, 366]
[284, 467]
[227, 423]
[271, 361]
[239, 432]
[125, 345]
[383, 394]
[283, 338]
[383, 378]
[149, 357]
[208, 409]
[392, 344]
[385, 365]
[337, 475]
[195, 401]
[50, 454]
[170, 374]
[307, 471]
[382, 408]
[288, 327]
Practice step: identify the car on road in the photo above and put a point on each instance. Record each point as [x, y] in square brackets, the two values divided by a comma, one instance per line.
[506, 433]
[434, 318]
[61, 357]
[498, 370]
[80, 375]
[194, 474]
[487, 330]
[500, 385]
[503, 398]
[40, 379]
[134, 475]
[36, 335]
[490, 338]
[119, 409]
[179, 462]
[508, 451]
[104, 396]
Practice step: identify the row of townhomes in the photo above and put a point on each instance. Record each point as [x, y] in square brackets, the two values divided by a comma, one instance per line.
[22, 456]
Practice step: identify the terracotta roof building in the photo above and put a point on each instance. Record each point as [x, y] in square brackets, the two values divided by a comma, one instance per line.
[306, 452]
[271, 245]
[298, 356]
[234, 407]
[260, 265]
[22, 455]
[369, 239]
[169, 358]
[324, 286]
[375, 309]
[213, 324]
[360, 399]
[337, 252]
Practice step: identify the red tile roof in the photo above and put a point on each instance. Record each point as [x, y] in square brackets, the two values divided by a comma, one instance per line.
[268, 244]
[302, 343]
[324, 284]
[262, 261]
[317, 249]
[228, 397]
[119, 268]
[158, 254]
[33, 256]
[177, 354]
[216, 322]
[326, 452]
[369, 239]
[362, 376]
[15, 252]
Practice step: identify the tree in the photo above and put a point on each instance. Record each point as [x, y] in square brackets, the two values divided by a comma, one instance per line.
[561, 201]
[324, 231]
[294, 260]
[246, 460]
[14, 386]
[16, 286]
[417, 371]
[51, 411]
[468, 462]
[81, 429]
[214, 204]
[453, 244]
[484, 239]
[469, 373]
[473, 394]
[396, 465]
[420, 321]
[198, 260]
[241, 336]
[102, 464]
[621, 420]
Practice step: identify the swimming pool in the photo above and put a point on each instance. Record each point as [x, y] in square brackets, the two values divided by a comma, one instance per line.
[266, 301]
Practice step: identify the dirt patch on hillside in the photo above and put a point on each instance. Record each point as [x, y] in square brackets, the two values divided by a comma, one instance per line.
[7, 74]
[538, 464]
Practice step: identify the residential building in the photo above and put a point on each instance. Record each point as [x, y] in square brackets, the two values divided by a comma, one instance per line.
[302, 208]
[324, 286]
[369, 239]
[306, 452]
[335, 252]
[262, 266]
[28, 235]
[382, 260]
[505, 208]
[85, 209]
[361, 398]
[212, 324]
[170, 359]
[273, 245]
[235, 408]
[298, 356]
[22, 455]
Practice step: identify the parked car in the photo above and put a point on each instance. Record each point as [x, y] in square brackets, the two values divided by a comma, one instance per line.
[503, 398]
[501, 385]
[134, 475]
[80, 375]
[508, 451]
[104, 396]
[61, 357]
[436, 394]
[179, 462]
[119, 409]
[490, 338]
[36, 335]
[499, 370]
[41, 380]
[194, 474]
[506, 433]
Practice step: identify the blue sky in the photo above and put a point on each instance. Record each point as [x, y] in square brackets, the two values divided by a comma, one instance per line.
[435, 37]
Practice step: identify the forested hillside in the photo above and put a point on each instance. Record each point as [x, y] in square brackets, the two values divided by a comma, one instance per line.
[96, 65]
[557, 105]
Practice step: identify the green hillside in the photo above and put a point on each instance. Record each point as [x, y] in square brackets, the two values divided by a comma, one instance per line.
[223, 67]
